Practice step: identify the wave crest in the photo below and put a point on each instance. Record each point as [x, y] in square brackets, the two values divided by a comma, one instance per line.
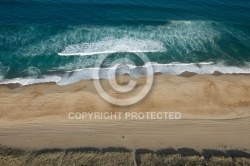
[114, 45]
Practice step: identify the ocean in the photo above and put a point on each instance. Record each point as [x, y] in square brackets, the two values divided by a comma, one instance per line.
[62, 40]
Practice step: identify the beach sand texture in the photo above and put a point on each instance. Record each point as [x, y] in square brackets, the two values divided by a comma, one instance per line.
[215, 114]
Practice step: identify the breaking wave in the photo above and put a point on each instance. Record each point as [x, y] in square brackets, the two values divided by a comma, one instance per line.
[29, 52]
[108, 46]
[134, 71]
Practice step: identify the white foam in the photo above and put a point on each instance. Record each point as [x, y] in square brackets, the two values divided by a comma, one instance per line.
[30, 81]
[32, 72]
[200, 68]
[108, 46]
[180, 37]
[133, 71]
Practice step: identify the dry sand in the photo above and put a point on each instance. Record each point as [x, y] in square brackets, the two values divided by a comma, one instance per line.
[215, 115]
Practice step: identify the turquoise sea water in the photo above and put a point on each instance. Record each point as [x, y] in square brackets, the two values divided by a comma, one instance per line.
[40, 40]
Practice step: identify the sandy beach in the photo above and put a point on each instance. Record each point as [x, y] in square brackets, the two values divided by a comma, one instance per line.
[214, 114]
[136, 82]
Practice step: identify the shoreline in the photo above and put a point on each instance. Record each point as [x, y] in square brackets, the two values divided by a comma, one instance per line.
[178, 69]
[185, 74]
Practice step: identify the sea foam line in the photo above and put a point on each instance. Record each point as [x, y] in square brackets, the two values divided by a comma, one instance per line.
[134, 71]
[108, 46]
